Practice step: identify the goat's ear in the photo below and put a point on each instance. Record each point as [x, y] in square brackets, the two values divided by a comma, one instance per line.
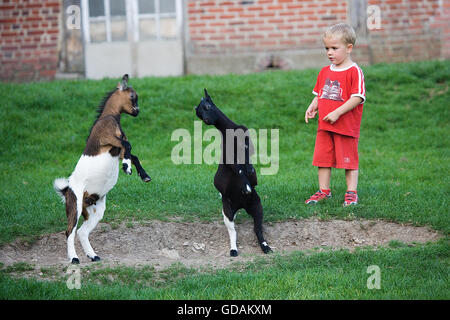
[124, 84]
[206, 94]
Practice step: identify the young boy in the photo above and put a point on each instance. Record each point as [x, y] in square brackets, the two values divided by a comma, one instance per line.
[340, 94]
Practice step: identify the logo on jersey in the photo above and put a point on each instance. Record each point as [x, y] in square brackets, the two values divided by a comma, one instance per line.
[331, 90]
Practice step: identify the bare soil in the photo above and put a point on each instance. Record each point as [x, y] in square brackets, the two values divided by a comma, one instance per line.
[197, 244]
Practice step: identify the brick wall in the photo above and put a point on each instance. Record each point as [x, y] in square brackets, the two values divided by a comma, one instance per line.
[29, 31]
[239, 35]
[217, 26]
[444, 23]
[249, 35]
[411, 30]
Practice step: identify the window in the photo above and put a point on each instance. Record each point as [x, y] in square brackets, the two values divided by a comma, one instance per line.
[112, 20]
[157, 19]
[107, 20]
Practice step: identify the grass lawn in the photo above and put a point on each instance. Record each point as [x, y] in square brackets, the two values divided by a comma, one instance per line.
[404, 166]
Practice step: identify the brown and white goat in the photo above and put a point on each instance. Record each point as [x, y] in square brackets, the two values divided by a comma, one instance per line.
[96, 172]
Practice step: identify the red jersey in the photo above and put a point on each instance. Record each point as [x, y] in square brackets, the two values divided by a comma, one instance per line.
[333, 88]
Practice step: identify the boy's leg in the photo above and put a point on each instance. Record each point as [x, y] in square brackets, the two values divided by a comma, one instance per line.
[347, 158]
[324, 178]
[324, 158]
[351, 176]
[324, 192]
[351, 196]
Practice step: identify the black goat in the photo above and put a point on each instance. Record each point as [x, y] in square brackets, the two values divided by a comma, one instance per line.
[235, 178]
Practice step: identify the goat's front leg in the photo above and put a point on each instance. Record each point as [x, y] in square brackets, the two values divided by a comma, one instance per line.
[129, 159]
[141, 172]
[126, 161]
[245, 185]
[228, 219]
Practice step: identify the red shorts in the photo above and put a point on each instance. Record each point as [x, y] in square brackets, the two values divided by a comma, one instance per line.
[335, 150]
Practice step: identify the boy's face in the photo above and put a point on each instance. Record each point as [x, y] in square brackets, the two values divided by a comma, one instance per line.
[337, 51]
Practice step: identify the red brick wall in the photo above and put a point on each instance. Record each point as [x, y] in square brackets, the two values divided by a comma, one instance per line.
[29, 31]
[444, 22]
[411, 30]
[217, 26]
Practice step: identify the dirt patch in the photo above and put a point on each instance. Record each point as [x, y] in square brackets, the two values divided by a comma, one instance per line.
[197, 244]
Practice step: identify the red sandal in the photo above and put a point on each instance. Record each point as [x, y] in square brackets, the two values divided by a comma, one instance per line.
[318, 196]
[351, 198]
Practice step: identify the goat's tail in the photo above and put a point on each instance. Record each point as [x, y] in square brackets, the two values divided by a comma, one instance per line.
[61, 186]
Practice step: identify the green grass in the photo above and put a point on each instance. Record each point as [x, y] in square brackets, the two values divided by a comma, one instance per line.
[324, 275]
[404, 166]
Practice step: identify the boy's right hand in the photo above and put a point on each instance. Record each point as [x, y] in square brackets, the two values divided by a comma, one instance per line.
[310, 113]
[312, 110]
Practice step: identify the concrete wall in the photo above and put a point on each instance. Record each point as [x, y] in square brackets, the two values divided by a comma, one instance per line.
[145, 58]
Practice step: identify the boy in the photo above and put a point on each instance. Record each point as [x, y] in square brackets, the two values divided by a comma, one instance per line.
[340, 94]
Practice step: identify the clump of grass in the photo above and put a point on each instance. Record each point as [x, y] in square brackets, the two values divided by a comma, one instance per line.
[397, 244]
[18, 267]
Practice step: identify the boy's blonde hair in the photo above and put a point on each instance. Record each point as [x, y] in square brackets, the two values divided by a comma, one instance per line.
[346, 32]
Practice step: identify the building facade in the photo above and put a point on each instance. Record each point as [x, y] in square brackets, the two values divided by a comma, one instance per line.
[41, 39]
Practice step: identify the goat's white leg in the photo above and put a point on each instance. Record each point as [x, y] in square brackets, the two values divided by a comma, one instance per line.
[75, 203]
[95, 212]
[232, 233]
[71, 253]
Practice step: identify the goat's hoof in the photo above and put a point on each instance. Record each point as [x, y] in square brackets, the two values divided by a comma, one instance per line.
[126, 168]
[266, 249]
[94, 259]
[147, 179]
[233, 253]
[75, 261]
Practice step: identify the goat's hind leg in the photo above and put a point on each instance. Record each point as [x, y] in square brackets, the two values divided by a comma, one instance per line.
[256, 211]
[73, 212]
[92, 215]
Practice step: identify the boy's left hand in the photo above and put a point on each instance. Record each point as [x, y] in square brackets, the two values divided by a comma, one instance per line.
[332, 117]
[351, 103]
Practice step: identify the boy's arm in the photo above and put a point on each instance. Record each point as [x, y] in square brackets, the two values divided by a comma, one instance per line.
[350, 104]
[312, 110]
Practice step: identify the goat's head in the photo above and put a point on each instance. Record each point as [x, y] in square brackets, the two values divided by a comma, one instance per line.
[127, 97]
[207, 110]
